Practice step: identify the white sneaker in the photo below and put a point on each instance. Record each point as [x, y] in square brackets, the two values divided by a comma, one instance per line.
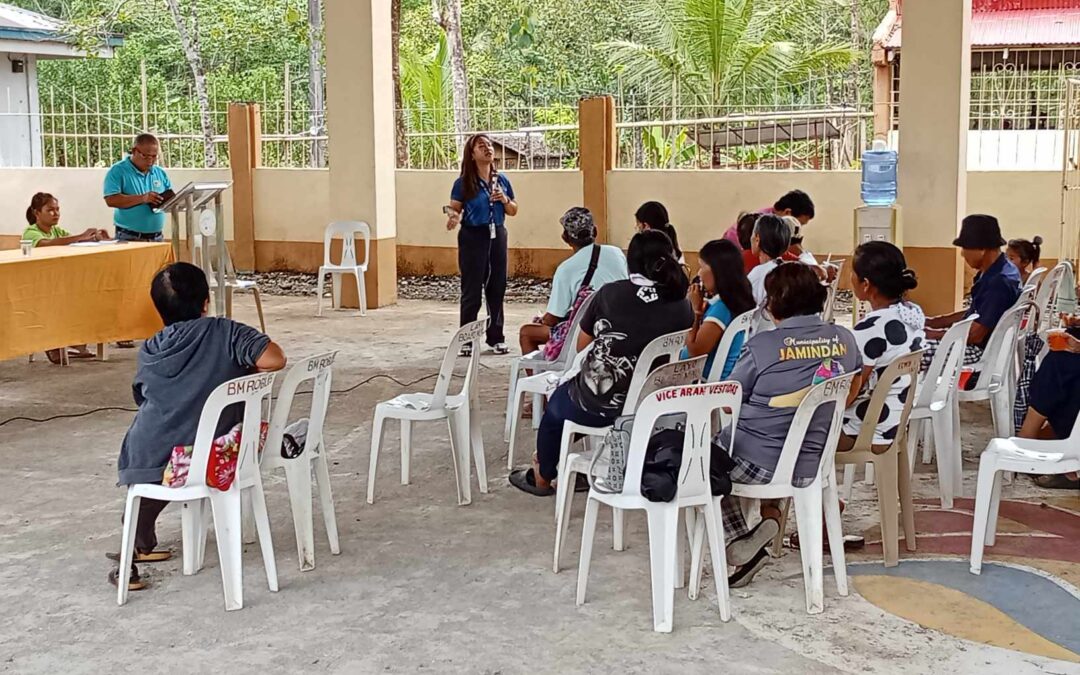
[500, 348]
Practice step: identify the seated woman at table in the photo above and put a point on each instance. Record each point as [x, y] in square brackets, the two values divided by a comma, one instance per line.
[43, 218]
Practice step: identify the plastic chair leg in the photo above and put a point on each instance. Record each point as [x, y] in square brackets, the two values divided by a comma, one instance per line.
[259, 309]
[868, 473]
[476, 443]
[226, 507]
[808, 518]
[247, 521]
[511, 403]
[326, 501]
[512, 422]
[564, 507]
[459, 455]
[335, 289]
[995, 505]
[835, 530]
[319, 292]
[262, 524]
[617, 530]
[778, 540]
[697, 535]
[376, 443]
[406, 450]
[663, 539]
[127, 546]
[361, 292]
[588, 533]
[298, 480]
[945, 451]
[927, 450]
[888, 502]
[907, 505]
[537, 410]
[715, 529]
[849, 478]
[191, 524]
[560, 486]
[982, 524]
[958, 450]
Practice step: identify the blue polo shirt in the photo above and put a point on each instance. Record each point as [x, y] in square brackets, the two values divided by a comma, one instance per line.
[994, 292]
[124, 178]
[479, 211]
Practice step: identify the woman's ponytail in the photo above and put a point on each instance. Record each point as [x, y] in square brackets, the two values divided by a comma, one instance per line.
[671, 281]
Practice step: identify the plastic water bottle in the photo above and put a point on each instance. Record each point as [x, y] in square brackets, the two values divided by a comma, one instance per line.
[879, 175]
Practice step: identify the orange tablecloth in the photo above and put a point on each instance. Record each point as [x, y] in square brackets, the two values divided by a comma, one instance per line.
[65, 295]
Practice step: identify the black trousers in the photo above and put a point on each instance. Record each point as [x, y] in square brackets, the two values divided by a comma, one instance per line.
[482, 263]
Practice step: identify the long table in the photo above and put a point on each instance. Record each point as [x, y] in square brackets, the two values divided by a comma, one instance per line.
[66, 295]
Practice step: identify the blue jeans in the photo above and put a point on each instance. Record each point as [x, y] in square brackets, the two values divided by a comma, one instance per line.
[561, 408]
[124, 234]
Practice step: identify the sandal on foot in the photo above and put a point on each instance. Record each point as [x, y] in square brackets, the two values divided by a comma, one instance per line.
[1057, 482]
[745, 574]
[139, 557]
[134, 582]
[525, 480]
[852, 542]
[126, 344]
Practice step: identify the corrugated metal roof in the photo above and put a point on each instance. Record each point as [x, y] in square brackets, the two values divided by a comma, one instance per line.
[1015, 28]
[15, 17]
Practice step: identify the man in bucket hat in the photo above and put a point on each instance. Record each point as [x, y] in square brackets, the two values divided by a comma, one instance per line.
[996, 288]
[591, 265]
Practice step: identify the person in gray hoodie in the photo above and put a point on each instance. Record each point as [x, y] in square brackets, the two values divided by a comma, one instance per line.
[178, 368]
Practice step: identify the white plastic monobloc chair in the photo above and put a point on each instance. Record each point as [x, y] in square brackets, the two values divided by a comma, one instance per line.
[935, 416]
[1036, 277]
[298, 470]
[818, 495]
[997, 370]
[205, 249]
[347, 230]
[225, 506]
[739, 325]
[694, 493]
[570, 464]
[1046, 296]
[1017, 455]
[539, 384]
[459, 410]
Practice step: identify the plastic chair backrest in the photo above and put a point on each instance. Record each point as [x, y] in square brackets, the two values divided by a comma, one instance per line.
[939, 383]
[251, 391]
[205, 257]
[673, 374]
[1046, 297]
[739, 325]
[834, 286]
[315, 368]
[997, 365]
[669, 345]
[470, 333]
[346, 229]
[1035, 278]
[905, 366]
[697, 402]
[832, 391]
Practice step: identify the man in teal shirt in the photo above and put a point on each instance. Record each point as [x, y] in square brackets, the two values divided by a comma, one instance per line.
[134, 187]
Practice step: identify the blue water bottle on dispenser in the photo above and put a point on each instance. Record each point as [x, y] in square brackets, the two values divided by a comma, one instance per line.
[879, 175]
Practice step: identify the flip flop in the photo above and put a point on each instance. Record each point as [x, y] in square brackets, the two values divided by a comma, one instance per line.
[151, 557]
[81, 355]
[524, 480]
[134, 582]
[852, 542]
[125, 344]
[746, 573]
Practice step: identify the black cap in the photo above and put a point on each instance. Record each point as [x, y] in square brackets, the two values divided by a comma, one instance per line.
[979, 231]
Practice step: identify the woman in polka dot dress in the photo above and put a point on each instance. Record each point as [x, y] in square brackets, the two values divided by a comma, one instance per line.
[894, 328]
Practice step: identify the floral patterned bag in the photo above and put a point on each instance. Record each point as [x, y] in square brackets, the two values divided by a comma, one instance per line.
[220, 469]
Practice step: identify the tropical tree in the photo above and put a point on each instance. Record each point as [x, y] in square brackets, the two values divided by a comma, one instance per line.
[714, 54]
[427, 105]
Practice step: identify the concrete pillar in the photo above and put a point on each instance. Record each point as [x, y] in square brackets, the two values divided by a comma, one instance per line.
[245, 153]
[360, 122]
[596, 139]
[935, 78]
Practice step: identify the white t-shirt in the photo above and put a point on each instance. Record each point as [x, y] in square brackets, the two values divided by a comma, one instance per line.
[571, 272]
[757, 280]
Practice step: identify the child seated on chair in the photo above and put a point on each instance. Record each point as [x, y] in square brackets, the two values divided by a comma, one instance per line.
[776, 369]
[178, 369]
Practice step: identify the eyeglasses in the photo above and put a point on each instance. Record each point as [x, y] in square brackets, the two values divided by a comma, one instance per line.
[152, 157]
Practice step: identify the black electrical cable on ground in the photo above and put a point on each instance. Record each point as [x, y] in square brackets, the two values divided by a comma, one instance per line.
[112, 408]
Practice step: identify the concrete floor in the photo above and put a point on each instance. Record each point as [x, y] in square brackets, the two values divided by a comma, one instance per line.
[422, 585]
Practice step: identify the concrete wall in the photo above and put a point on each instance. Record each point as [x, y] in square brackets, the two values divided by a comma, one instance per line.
[79, 192]
[292, 208]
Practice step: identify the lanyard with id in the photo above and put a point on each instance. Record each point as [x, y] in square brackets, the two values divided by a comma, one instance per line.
[491, 203]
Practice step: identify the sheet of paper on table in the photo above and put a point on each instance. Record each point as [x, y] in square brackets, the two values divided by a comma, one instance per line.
[107, 242]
